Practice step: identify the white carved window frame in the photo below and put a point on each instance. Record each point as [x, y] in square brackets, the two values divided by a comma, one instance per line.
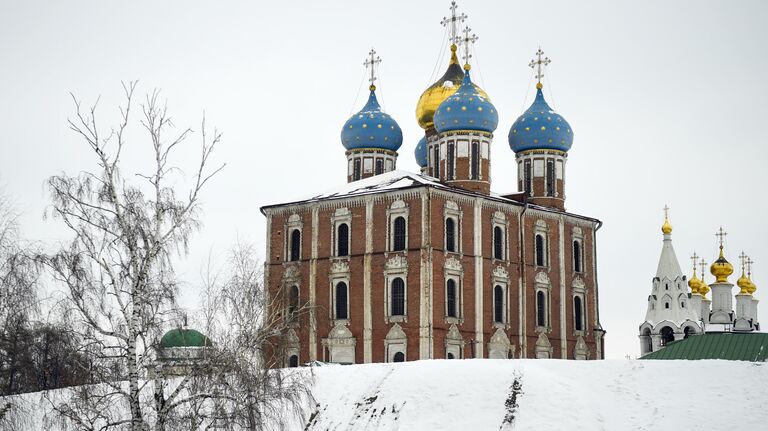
[541, 229]
[291, 277]
[390, 274]
[397, 209]
[336, 276]
[341, 216]
[500, 278]
[545, 288]
[451, 210]
[500, 220]
[457, 275]
[581, 294]
[578, 236]
[293, 223]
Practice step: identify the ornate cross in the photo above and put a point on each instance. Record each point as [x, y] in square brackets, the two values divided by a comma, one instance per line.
[695, 259]
[749, 266]
[703, 264]
[538, 63]
[743, 258]
[721, 234]
[454, 22]
[666, 212]
[372, 62]
[466, 41]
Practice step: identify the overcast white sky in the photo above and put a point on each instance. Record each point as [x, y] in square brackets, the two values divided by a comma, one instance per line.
[666, 99]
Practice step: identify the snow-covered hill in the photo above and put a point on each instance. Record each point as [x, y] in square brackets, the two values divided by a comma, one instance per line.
[485, 394]
[541, 395]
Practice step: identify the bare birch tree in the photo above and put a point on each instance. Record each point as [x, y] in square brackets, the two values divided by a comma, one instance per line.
[237, 386]
[118, 273]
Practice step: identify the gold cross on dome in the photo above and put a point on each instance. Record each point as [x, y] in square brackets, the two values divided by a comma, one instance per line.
[721, 234]
[372, 62]
[538, 64]
[749, 266]
[743, 258]
[666, 212]
[466, 41]
[703, 264]
[454, 22]
[695, 259]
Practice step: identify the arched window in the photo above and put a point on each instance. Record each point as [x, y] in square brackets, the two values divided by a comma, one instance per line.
[398, 297]
[399, 357]
[527, 177]
[293, 302]
[341, 300]
[540, 252]
[398, 240]
[577, 257]
[550, 177]
[342, 240]
[295, 245]
[450, 235]
[541, 310]
[356, 169]
[666, 305]
[498, 304]
[379, 166]
[688, 331]
[436, 162]
[667, 335]
[498, 243]
[577, 313]
[450, 292]
[475, 171]
[293, 362]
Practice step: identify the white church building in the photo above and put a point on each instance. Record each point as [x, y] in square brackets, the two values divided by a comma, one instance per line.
[678, 309]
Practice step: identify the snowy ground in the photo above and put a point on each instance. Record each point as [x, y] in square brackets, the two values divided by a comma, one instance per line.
[552, 395]
[485, 394]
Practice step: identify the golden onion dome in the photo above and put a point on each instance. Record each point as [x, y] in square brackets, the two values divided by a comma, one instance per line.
[666, 228]
[743, 282]
[721, 268]
[694, 283]
[752, 287]
[703, 289]
[444, 88]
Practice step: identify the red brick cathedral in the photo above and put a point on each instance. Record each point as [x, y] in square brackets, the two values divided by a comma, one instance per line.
[398, 266]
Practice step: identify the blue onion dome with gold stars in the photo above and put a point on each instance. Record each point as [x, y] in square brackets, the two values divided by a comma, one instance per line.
[421, 152]
[540, 128]
[466, 109]
[371, 128]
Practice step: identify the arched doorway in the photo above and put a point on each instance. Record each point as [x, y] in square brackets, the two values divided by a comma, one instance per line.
[688, 331]
[399, 357]
[293, 361]
[647, 342]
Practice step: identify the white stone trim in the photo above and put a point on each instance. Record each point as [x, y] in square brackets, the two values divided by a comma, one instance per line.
[396, 267]
[397, 209]
[341, 216]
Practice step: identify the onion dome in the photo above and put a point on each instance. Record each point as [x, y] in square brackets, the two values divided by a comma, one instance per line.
[694, 283]
[540, 128]
[371, 128]
[466, 109]
[436, 94]
[421, 152]
[744, 283]
[184, 337]
[752, 287]
[703, 287]
[666, 229]
[721, 268]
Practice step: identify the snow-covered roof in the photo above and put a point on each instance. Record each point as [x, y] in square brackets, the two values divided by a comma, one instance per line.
[400, 180]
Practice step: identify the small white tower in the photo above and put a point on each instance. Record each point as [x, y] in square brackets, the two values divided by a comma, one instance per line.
[671, 314]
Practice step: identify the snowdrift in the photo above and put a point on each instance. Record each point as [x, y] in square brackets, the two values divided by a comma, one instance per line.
[484, 394]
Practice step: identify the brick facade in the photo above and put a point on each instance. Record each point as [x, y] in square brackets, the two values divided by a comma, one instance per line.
[370, 334]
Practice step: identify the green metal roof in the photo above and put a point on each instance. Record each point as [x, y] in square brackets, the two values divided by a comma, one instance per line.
[184, 338]
[733, 346]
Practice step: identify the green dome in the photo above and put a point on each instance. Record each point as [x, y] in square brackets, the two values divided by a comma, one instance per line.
[184, 338]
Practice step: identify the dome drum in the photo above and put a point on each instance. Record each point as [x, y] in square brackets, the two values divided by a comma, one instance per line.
[464, 160]
[541, 175]
[366, 162]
